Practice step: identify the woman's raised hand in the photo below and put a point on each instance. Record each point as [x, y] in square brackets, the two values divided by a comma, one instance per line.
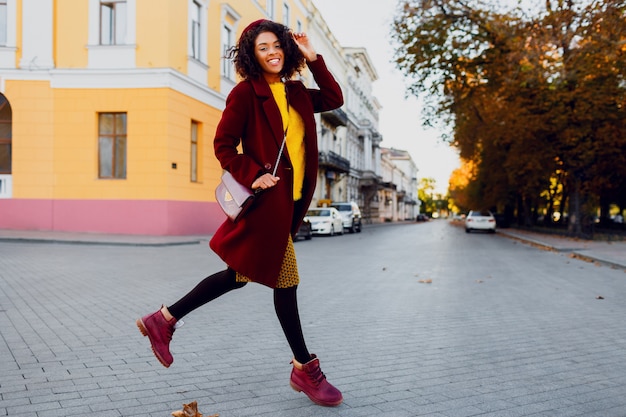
[305, 46]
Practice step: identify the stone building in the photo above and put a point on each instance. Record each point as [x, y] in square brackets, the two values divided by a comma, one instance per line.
[398, 188]
[108, 111]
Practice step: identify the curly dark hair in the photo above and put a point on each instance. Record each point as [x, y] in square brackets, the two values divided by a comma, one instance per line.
[245, 60]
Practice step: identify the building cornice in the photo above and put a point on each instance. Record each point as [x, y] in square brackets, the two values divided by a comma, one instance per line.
[122, 79]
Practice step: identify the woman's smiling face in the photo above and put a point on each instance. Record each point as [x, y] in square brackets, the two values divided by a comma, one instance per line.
[269, 53]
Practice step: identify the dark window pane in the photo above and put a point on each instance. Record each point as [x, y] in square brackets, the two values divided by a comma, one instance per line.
[5, 158]
[5, 130]
[194, 162]
[120, 157]
[5, 135]
[194, 151]
[107, 124]
[112, 145]
[120, 123]
[106, 157]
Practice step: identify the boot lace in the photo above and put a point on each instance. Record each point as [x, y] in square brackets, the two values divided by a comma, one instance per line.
[316, 375]
[169, 332]
[169, 329]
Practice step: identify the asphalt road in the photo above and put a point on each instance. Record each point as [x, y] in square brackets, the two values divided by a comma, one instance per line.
[416, 319]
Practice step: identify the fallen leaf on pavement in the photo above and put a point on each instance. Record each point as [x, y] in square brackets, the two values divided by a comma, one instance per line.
[190, 410]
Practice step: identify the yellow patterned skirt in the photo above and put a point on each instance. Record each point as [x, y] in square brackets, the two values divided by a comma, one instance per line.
[288, 275]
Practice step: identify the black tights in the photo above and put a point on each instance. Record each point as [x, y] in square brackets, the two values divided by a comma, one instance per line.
[285, 304]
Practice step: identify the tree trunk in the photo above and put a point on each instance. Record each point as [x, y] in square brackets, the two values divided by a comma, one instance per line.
[574, 227]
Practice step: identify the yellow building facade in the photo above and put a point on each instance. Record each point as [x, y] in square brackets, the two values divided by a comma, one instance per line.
[108, 111]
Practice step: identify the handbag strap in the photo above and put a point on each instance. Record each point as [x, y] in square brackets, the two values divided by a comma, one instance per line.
[280, 152]
[282, 145]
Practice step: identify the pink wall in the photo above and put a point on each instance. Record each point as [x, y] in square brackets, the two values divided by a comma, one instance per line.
[135, 217]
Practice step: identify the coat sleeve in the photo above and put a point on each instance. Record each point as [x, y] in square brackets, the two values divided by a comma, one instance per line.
[328, 96]
[229, 132]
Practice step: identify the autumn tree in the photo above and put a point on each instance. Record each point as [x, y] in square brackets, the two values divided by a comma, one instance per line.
[458, 187]
[530, 100]
[586, 101]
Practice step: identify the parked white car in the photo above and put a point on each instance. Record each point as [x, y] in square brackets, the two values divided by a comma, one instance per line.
[325, 221]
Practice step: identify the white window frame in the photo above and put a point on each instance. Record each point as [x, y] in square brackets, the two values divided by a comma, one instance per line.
[230, 19]
[197, 67]
[271, 9]
[111, 56]
[9, 49]
[195, 24]
[203, 32]
[227, 41]
[6, 186]
[119, 24]
[3, 22]
[6, 180]
[286, 14]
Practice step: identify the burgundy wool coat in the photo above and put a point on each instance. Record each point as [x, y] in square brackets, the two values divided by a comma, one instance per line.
[255, 245]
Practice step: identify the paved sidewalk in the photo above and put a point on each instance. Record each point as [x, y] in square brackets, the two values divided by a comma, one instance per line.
[483, 339]
[34, 236]
[607, 253]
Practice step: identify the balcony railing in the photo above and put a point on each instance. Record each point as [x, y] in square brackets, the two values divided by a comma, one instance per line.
[333, 161]
[336, 117]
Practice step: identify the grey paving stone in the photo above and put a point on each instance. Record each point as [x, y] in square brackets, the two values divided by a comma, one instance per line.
[526, 341]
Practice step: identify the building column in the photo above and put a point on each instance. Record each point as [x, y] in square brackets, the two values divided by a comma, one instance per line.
[367, 149]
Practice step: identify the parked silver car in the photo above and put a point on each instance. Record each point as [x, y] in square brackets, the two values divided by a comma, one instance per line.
[351, 215]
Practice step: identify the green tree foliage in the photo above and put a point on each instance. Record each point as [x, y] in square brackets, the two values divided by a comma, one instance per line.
[532, 98]
[426, 194]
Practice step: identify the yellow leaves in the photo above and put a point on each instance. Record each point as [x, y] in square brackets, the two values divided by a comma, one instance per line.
[459, 181]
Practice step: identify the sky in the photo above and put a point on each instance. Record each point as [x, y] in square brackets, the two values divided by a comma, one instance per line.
[356, 23]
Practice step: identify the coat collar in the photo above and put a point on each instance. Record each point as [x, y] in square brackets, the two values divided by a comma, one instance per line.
[270, 109]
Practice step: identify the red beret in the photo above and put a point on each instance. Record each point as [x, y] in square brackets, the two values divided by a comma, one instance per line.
[253, 25]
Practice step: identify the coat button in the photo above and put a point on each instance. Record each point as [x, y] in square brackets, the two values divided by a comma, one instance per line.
[268, 166]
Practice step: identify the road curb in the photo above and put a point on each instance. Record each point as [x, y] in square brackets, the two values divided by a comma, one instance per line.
[99, 242]
[576, 253]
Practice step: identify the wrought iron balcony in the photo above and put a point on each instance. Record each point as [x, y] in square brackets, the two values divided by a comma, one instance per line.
[335, 117]
[333, 161]
[369, 179]
[388, 185]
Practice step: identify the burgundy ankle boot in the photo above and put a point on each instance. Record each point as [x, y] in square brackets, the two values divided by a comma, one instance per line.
[310, 379]
[160, 332]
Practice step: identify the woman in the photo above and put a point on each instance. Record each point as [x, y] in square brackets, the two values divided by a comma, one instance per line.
[262, 110]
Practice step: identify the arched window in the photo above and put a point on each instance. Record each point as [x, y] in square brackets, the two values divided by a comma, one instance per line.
[5, 135]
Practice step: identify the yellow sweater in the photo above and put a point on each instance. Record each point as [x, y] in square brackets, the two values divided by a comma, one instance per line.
[294, 125]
